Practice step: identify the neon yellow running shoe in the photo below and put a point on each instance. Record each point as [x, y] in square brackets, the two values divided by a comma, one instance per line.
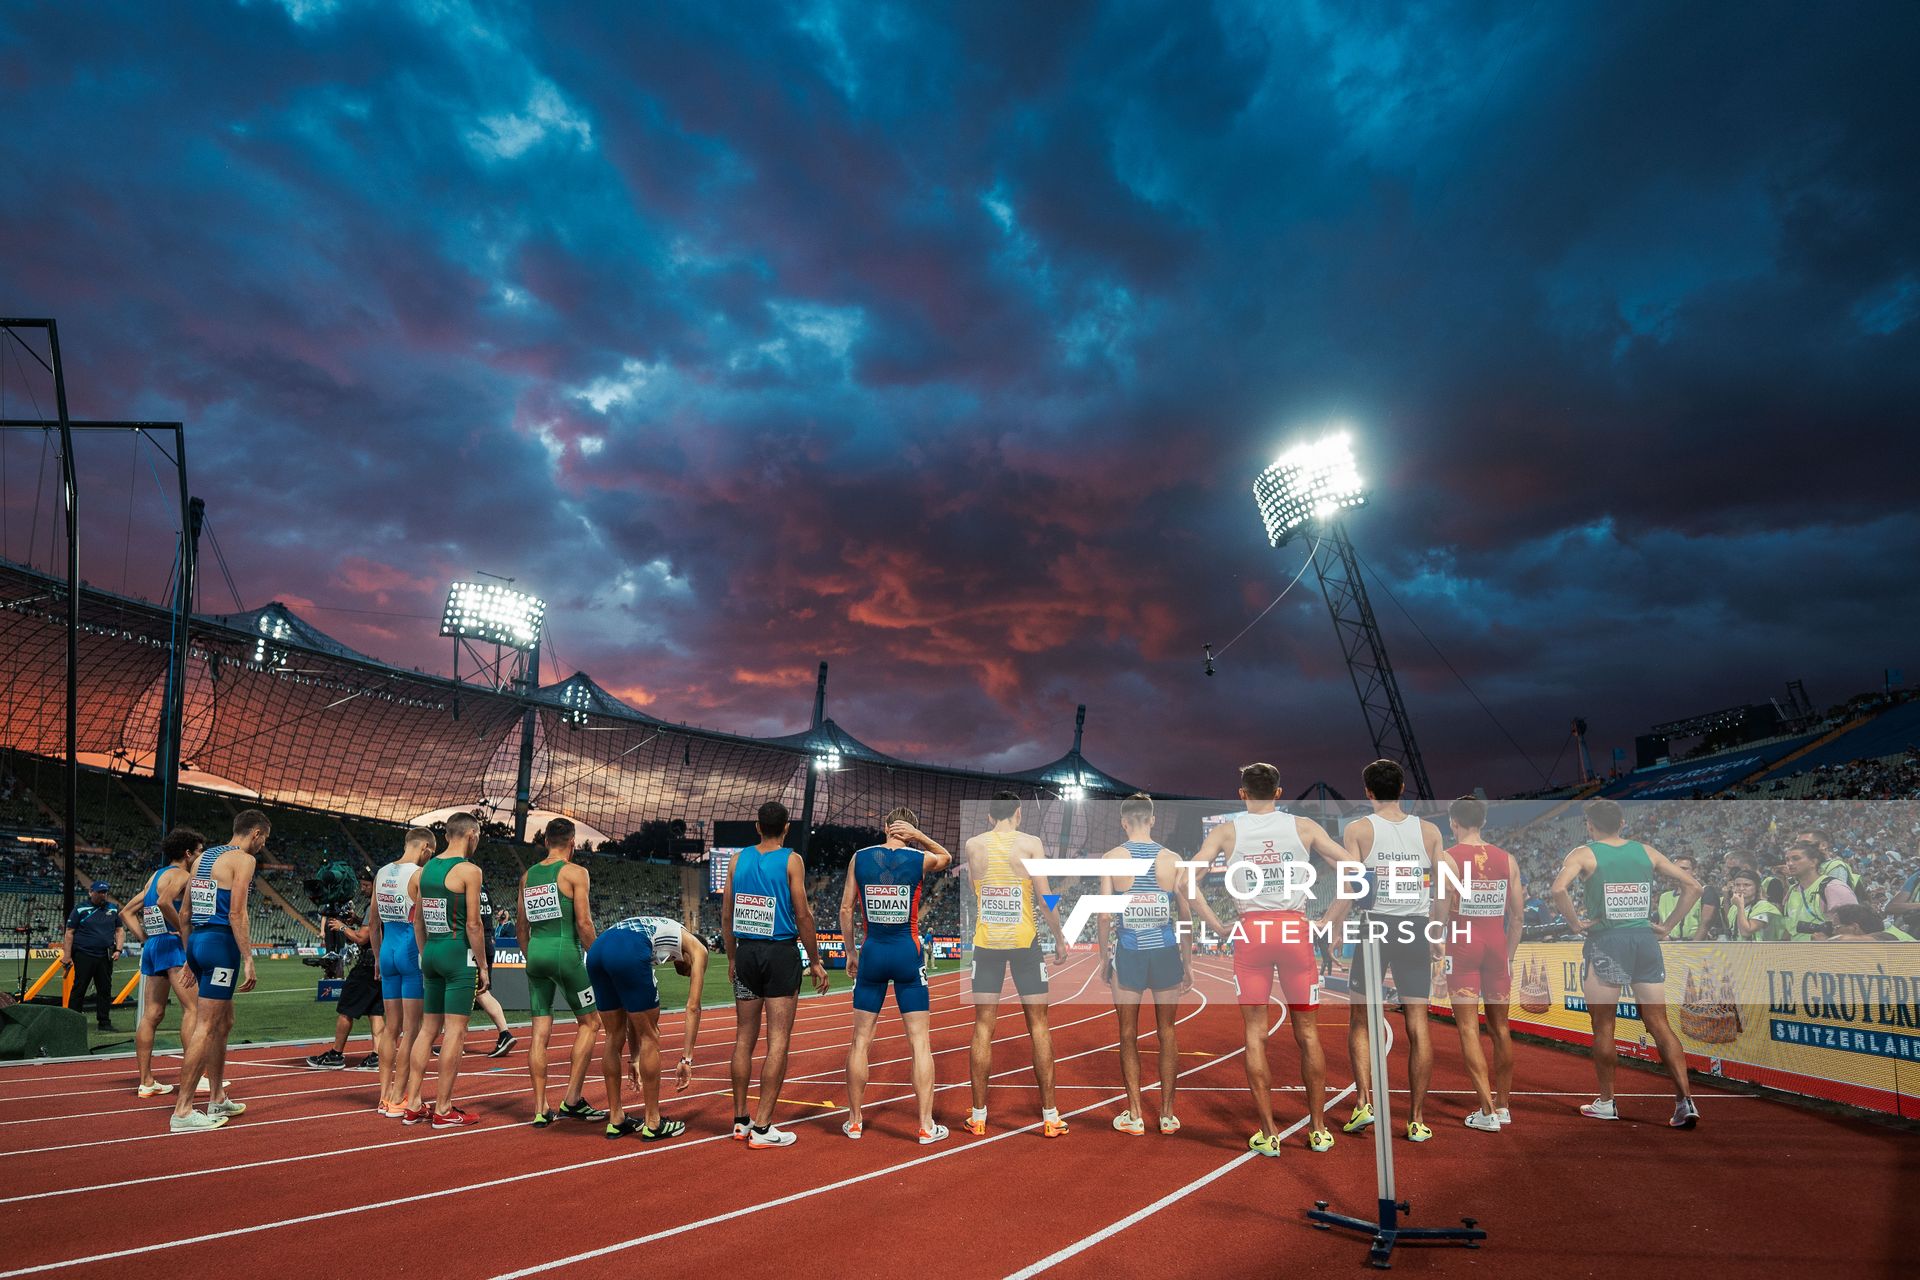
[1361, 1118]
[1264, 1143]
[1417, 1132]
[1320, 1140]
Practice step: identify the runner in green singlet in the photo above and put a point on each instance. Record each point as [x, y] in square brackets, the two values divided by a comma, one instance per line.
[1622, 947]
[453, 966]
[554, 924]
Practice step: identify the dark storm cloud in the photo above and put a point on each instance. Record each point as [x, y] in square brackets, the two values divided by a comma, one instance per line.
[944, 344]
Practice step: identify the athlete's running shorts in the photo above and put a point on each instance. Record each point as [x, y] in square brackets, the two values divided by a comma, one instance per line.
[1478, 966]
[360, 996]
[990, 965]
[400, 977]
[1148, 969]
[1624, 957]
[161, 952]
[553, 961]
[447, 976]
[1405, 953]
[766, 968]
[620, 967]
[890, 960]
[214, 956]
[1275, 943]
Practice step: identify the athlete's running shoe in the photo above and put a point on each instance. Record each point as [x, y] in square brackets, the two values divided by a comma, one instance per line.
[453, 1118]
[771, 1136]
[392, 1110]
[194, 1122]
[976, 1125]
[1361, 1118]
[1320, 1140]
[1484, 1121]
[936, 1134]
[541, 1119]
[331, 1060]
[624, 1127]
[1127, 1122]
[369, 1063]
[205, 1086]
[1503, 1114]
[422, 1116]
[853, 1129]
[1417, 1132]
[581, 1109]
[154, 1090]
[228, 1107]
[666, 1129]
[503, 1045]
[1169, 1124]
[1053, 1128]
[1600, 1109]
[741, 1129]
[1685, 1114]
[1264, 1144]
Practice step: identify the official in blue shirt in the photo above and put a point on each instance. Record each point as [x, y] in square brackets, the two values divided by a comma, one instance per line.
[92, 942]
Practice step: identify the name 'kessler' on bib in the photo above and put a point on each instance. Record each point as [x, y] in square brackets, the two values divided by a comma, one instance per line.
[1003, 903]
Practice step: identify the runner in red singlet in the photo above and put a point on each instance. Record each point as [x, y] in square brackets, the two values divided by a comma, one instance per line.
[1483, 931]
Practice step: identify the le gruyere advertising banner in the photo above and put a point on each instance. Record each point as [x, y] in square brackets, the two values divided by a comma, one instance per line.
[1829, 1020]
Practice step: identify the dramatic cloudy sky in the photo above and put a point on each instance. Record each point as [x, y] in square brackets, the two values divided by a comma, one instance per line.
[943, 342]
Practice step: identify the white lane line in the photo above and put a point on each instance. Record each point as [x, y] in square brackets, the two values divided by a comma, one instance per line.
[1081, 1245]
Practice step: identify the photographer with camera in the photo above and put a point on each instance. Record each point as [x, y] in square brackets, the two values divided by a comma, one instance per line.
[360, 997]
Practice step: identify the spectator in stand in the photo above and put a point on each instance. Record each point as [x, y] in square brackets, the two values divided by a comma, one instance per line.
[1859, 924]
[1903, 908]
[1699, 922]
[1750, 917]
[1831, 863]
[93, 941]
[1812, 894]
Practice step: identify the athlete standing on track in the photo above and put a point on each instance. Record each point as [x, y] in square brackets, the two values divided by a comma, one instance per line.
[886, 880]
[220, 951]
[1154, 960]
[1622, 947]
[620, 964]
[397, 954]
[554, 924]
[1400, 850]
[1006, 900]
[452, 967]
[763, 911]
[154, 918]
[1483, 934]
[1268, 854]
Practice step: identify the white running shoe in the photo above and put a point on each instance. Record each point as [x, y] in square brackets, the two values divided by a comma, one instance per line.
[154, 1090]
[205, 1086]
[1484, 1121]
[936, 1134]
[1169, 1124]
[226, 1107]
[194, 1122]
[1503, 1114]
[771, 1136]
[853, 1129]
[1600, 1109]
[1127, 1122]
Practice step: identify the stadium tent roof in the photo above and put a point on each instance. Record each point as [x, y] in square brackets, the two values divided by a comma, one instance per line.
[277, 706]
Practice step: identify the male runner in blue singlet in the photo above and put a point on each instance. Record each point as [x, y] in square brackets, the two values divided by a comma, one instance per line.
[220, 951]
[154, 918]
[1153, 961]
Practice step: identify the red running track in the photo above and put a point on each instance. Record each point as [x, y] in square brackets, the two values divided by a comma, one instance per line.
[92, 1184]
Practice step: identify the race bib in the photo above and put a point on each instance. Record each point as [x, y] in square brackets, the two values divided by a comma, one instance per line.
[222, 977]
[434, 912]
[395, 906]
[154, 921]
[1629, 902]
[1147, 910]
[542, 902]
[203, 895]
[753, 915]
[1003, 903]
[1485, 898]
[888, 903]
[585, 997]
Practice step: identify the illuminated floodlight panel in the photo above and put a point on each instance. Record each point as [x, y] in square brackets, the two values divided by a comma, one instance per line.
[493, 614]
[1310, 484]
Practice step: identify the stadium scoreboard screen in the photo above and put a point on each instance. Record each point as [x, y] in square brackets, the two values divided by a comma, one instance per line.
[718, 860]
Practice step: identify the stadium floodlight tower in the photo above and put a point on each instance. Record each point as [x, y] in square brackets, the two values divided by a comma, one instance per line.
[510, 621]
[1304, 495]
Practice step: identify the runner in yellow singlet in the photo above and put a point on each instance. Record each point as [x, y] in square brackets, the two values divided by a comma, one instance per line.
[1007, 903]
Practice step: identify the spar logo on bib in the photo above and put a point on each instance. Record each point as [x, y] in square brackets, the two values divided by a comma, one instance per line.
[1146, 910]
[1631, 901]
[204, 895]
[153, 920]
[753, 914]
[1003, 903]
[434, 912]
[1485, 898]
[543, 902]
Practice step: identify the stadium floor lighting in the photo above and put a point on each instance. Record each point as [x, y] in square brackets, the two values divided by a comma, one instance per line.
[493, 614]
[1310, 484]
